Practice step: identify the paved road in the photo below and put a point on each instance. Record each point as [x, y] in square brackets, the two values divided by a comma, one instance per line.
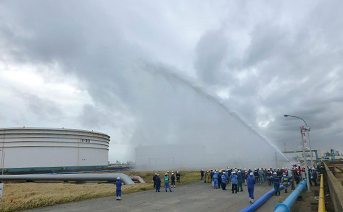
[200, 197]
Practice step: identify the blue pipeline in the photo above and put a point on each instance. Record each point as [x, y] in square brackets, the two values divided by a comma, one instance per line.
[260, 201]
[286, 205]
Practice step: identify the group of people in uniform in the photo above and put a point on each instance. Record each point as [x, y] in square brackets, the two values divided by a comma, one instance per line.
[275, 177]
[290, 176]
[219, 179]
[166, 178]
[236, 176]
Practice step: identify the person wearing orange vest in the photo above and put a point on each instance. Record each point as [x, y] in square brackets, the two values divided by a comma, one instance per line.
[303, 173]
[297, 176]
[269, 176]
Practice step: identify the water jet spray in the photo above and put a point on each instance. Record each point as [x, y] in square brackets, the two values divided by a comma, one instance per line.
[168, 74]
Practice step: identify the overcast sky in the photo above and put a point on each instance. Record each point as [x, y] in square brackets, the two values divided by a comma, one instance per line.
[173, 72]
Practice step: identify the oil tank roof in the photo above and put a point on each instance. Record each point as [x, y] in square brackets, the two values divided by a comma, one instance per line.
[40, 129]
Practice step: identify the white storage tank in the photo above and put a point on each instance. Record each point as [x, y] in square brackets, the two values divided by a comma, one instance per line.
[26, 149]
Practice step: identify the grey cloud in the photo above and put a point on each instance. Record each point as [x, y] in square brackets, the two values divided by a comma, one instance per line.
[94, 117]
[211, 50]
[296, 59]
[125, 69]
[42, 108]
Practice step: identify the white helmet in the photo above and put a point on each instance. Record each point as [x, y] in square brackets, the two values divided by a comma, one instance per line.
[251, 173]
[118, 178]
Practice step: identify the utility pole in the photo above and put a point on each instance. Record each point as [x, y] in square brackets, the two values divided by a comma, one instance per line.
[308, 129]
[2, 160]
[302, 131]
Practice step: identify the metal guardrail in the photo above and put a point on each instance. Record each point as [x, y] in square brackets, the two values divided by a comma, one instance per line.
[286, 205]
[321, 204]
[336, 190]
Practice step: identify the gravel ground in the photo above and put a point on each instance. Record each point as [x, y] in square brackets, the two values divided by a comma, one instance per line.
[200, 197]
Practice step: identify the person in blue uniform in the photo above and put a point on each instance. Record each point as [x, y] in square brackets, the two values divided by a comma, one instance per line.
[118, 188]
[215, 180]
[223, 181]
[154, 179]
[158, 183]
[261, 175]
[234, 182]
[251, 185]
[226, 175]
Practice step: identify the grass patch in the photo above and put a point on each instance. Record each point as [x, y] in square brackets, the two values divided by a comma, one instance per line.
[34, 195]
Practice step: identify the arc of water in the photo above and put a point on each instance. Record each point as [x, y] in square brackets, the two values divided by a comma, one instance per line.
[162, 71]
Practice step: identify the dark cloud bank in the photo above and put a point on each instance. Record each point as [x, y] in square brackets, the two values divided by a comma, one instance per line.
[275, 69]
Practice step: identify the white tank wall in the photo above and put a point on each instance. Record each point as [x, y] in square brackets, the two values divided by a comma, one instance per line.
[36, 147]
